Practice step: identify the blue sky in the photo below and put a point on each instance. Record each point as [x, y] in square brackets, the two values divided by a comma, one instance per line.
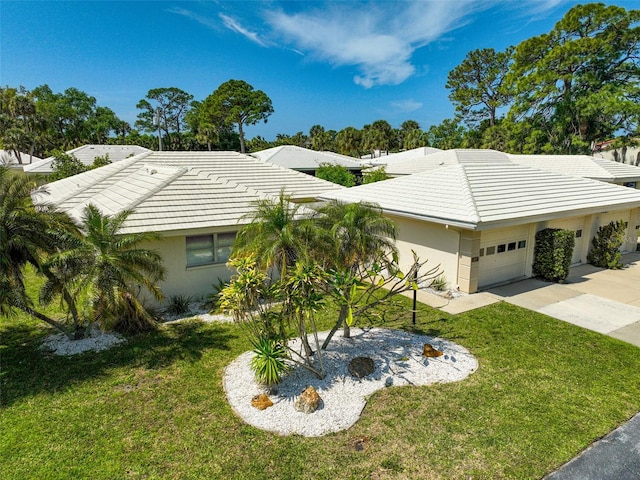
[337, 64]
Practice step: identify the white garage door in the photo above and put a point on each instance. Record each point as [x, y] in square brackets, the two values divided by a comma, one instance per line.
[577, 225]
[503, 255]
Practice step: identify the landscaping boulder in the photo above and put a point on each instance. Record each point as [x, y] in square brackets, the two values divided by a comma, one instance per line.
[429, 351]
[308, 401]
[360, 367]
[261, 401]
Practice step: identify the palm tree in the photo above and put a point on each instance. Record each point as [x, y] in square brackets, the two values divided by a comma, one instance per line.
[105, 267]
[353, 236]
[276, 234]
[358, 232]
[28, 234]
[348, 141]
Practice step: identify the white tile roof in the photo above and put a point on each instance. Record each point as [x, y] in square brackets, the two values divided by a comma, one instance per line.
[443, 158]
[87, 154]
[171, 191]
[407, 155]
[577, 165]
[298, 158]
[582, 166]
[480, 196]
[8, 158]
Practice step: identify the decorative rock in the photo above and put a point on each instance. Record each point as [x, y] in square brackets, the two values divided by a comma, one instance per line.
[308, 401]
[429, 351]
[261, 401]
[360, 367]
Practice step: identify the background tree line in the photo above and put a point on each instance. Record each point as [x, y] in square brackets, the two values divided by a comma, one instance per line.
[559, 92]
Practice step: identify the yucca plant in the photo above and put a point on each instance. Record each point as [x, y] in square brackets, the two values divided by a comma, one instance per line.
[269, 363]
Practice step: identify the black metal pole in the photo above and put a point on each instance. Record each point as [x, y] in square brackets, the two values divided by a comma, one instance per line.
[415, 296]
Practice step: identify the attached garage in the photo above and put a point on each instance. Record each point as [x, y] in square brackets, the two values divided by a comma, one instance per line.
[496, 208]
[441, 249]
[503, 255]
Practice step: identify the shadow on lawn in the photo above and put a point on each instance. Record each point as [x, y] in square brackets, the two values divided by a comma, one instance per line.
[26, 370]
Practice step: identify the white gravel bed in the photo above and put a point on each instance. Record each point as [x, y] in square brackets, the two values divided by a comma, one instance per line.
[59, 344]
[398, 361]
[196, 310]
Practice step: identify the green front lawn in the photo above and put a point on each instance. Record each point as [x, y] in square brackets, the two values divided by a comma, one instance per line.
[155, 408]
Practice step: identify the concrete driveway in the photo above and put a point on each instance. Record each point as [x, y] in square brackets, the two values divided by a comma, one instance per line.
[607, 301]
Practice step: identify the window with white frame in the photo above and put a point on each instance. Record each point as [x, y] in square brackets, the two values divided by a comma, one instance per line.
[209, 249]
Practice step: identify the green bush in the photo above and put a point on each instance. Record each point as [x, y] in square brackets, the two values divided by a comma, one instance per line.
[552, 254]
[336, 174]
[605, 251]
[375, 175]
[101, 161]
[65, 165]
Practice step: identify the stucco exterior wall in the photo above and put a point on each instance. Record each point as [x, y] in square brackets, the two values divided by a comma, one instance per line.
[628, 155]
[180, 279]
[431, 242]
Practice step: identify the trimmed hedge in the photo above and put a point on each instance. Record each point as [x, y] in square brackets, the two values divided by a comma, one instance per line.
[552, 254]
[606, 246]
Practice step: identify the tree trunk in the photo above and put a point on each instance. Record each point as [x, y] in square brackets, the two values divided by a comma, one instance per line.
[57, 325]
[241, 135]
[341, 321]
[302, 333]
[79, 332]
[346, 330]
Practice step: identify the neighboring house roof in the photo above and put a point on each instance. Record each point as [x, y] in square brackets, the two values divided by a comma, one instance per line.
[407, 155]
[481, 196]
[9, 159]
[87, 154]
[446, 157]
[298, 158]
[171, 191]
[577, 165]
[582, 166]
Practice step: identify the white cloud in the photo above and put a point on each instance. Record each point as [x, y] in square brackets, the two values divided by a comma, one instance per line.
[378, 38]
[233, 24]
[541, 6]
[207, 22]
[227, 21]
[405, 106]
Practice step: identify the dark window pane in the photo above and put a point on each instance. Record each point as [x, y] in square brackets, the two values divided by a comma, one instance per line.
[200, 250]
